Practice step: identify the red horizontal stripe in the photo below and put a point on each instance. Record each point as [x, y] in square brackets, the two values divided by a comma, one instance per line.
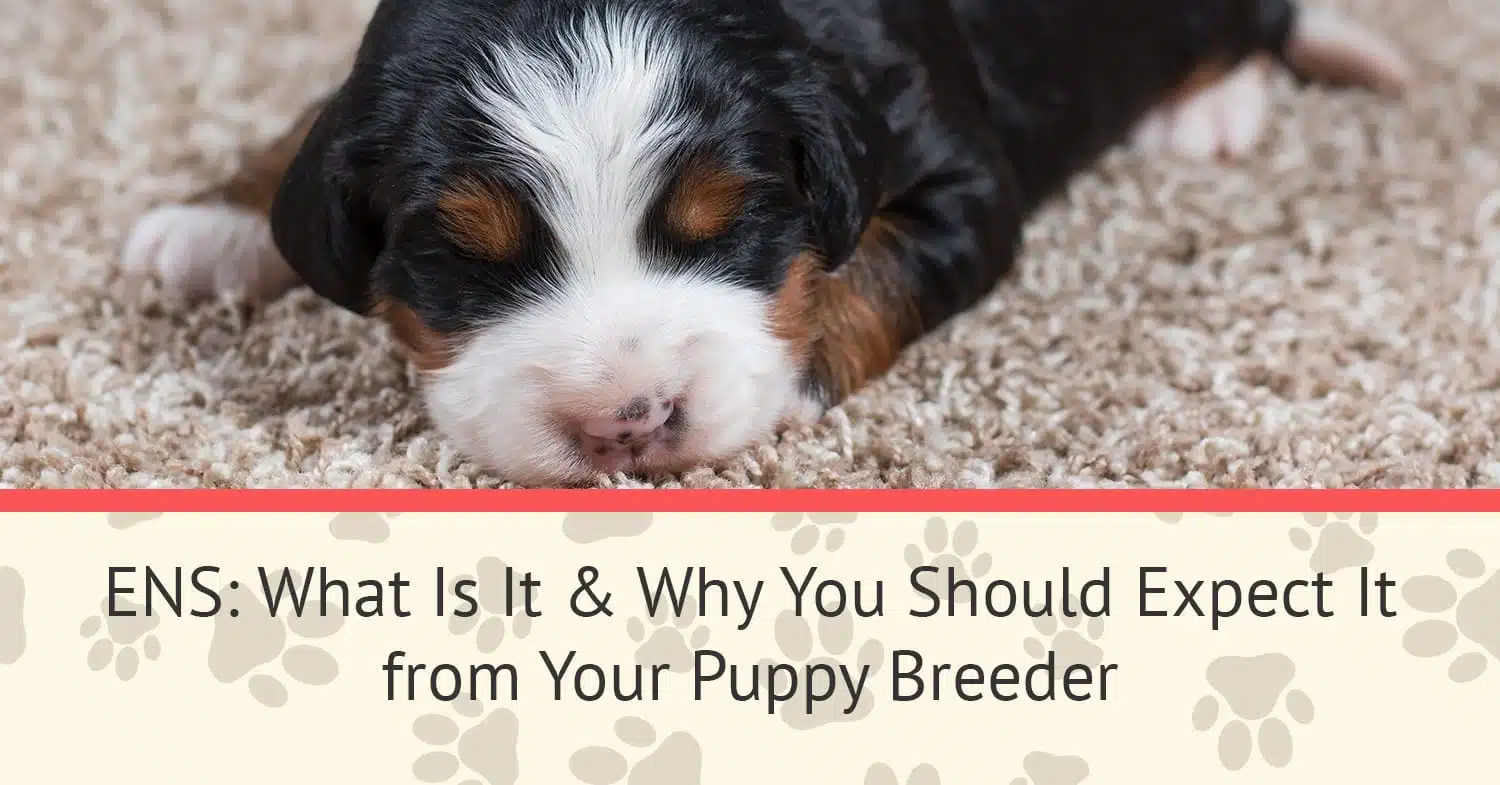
[728, 501]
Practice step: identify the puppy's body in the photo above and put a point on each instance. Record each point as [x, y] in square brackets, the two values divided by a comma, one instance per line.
[640, 234]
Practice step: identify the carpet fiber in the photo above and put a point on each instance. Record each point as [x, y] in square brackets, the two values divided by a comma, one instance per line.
[1324, 315]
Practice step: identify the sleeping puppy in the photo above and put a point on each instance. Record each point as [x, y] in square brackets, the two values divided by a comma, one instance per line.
[640, 235]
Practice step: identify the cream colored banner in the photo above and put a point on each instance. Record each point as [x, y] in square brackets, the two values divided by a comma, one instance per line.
[810, 649]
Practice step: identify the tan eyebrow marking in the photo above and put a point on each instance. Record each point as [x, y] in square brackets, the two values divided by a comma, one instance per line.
[482, 217]
[705, 200]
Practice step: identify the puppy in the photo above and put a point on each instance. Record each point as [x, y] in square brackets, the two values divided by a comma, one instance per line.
[640, 235]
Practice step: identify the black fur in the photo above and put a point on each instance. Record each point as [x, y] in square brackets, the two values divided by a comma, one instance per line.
[956, 118]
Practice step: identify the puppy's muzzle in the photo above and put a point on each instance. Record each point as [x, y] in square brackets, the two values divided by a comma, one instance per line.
[614, 440]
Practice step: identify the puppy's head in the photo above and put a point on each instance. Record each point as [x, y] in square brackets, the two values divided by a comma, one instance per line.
[597, 230]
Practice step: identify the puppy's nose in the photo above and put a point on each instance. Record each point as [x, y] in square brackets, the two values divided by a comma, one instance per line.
[638, 418]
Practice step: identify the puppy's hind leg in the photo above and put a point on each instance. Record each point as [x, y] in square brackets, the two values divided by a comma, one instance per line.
[1222, 113]
[218, 241]
[1330, 48]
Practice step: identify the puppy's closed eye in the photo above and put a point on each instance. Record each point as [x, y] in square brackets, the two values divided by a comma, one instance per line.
[483, 218]
[704, 200]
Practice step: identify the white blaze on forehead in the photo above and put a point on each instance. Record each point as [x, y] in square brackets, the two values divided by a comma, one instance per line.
[587, 117]
[588, 121]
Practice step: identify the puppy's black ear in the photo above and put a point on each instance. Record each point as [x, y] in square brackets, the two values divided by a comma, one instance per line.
[322, 220]
[836, 152]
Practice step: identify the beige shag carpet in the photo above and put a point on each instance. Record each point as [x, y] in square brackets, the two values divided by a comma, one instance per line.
[1327, 314]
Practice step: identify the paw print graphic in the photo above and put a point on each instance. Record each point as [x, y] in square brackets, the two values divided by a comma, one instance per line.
[923, 774]
[1044, 768]
[585, 528]
[831, 642]
[664, 639]
[12, 616]
[946, 548]
[813, 528]
[1253, 688]
[370, 527]
[1072, 638]
[1177, 517]
[127, 520]
[646, 759]
[1473, 617]
[490, 592]
[1337, 542]
[247, 639]
[121, 639]
[481, 747]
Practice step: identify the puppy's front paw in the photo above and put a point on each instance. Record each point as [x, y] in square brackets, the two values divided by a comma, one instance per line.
[203, 251]
[802, 412]
[1223, 120]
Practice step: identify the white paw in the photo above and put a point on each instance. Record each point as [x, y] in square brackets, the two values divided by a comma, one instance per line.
[206, 251]
[1224, 120]
[802, 412]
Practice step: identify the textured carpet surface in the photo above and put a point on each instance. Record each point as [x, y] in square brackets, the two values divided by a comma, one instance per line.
[1325, 314]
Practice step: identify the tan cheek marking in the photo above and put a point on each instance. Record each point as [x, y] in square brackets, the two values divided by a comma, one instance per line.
[428, 350]
[705, 201]
[482, 218]
[791, 316]
[850, 326]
